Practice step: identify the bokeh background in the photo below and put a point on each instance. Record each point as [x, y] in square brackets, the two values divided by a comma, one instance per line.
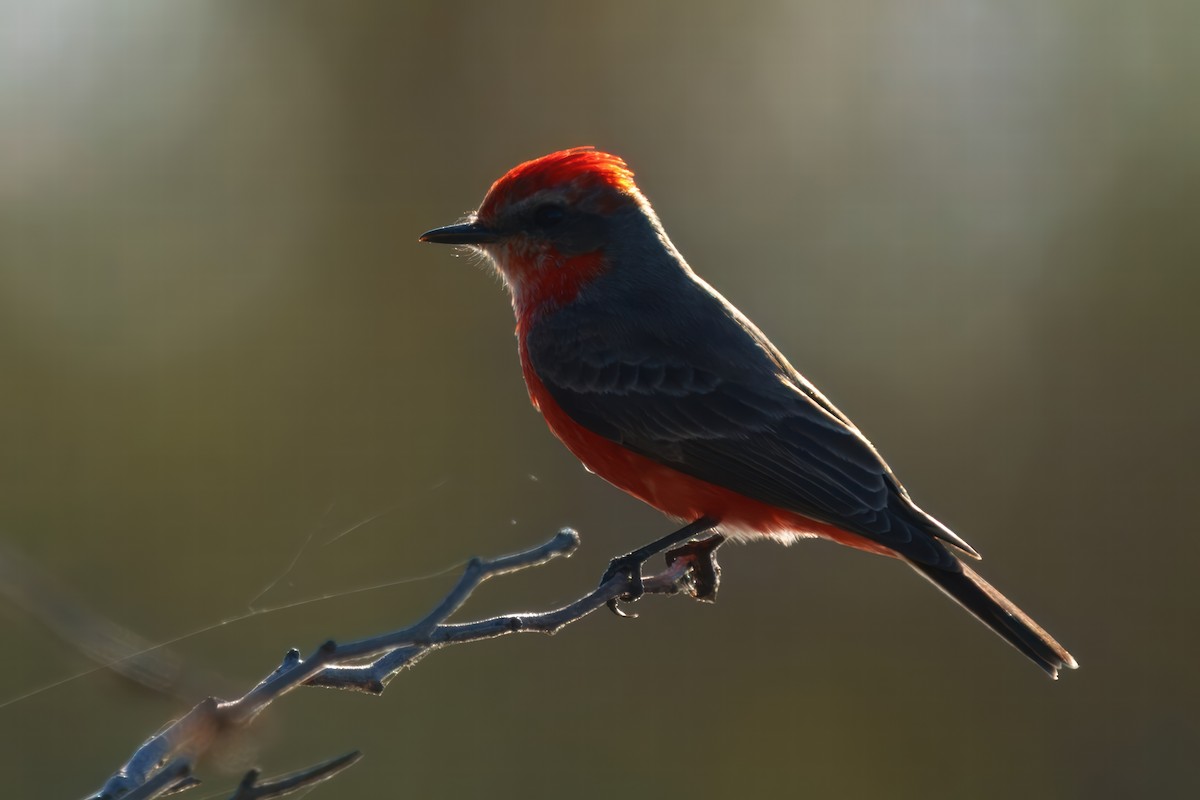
[973, 223]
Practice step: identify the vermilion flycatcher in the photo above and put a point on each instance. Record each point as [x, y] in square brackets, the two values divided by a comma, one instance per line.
[664, 389]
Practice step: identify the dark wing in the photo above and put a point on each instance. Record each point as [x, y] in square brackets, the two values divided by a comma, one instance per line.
[738, 418]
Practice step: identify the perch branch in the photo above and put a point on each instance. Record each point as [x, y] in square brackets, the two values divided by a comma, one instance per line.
[165, 762]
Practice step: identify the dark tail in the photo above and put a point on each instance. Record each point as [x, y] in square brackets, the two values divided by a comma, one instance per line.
[1001, 615]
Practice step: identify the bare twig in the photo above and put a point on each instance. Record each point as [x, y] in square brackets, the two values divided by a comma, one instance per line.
[165, 762]
[251, 789]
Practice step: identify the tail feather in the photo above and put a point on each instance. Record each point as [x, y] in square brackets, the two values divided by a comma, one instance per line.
[1001, 615]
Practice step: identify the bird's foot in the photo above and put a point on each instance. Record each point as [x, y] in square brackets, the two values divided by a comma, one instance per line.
[702, 580]
[704, 571]
[629, 565]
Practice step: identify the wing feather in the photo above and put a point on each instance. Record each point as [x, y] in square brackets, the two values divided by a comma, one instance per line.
[735, 415]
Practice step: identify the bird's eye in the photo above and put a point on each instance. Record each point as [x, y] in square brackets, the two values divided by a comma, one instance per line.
[548, 215]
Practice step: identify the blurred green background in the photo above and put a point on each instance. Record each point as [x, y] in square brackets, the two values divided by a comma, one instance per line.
[973, 224]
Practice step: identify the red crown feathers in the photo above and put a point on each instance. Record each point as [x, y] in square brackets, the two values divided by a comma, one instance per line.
[582, 167]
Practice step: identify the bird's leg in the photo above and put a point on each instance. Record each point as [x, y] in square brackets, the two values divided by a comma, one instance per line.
[630, 564]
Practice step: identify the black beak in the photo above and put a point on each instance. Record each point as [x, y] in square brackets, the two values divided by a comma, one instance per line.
[463, 233]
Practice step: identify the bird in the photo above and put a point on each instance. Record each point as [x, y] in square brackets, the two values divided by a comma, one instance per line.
[662, 387]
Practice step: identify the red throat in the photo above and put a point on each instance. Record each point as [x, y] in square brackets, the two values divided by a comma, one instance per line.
[551, 281]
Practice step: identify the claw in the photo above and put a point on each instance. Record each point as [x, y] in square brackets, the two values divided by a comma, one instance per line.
[614, 605]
